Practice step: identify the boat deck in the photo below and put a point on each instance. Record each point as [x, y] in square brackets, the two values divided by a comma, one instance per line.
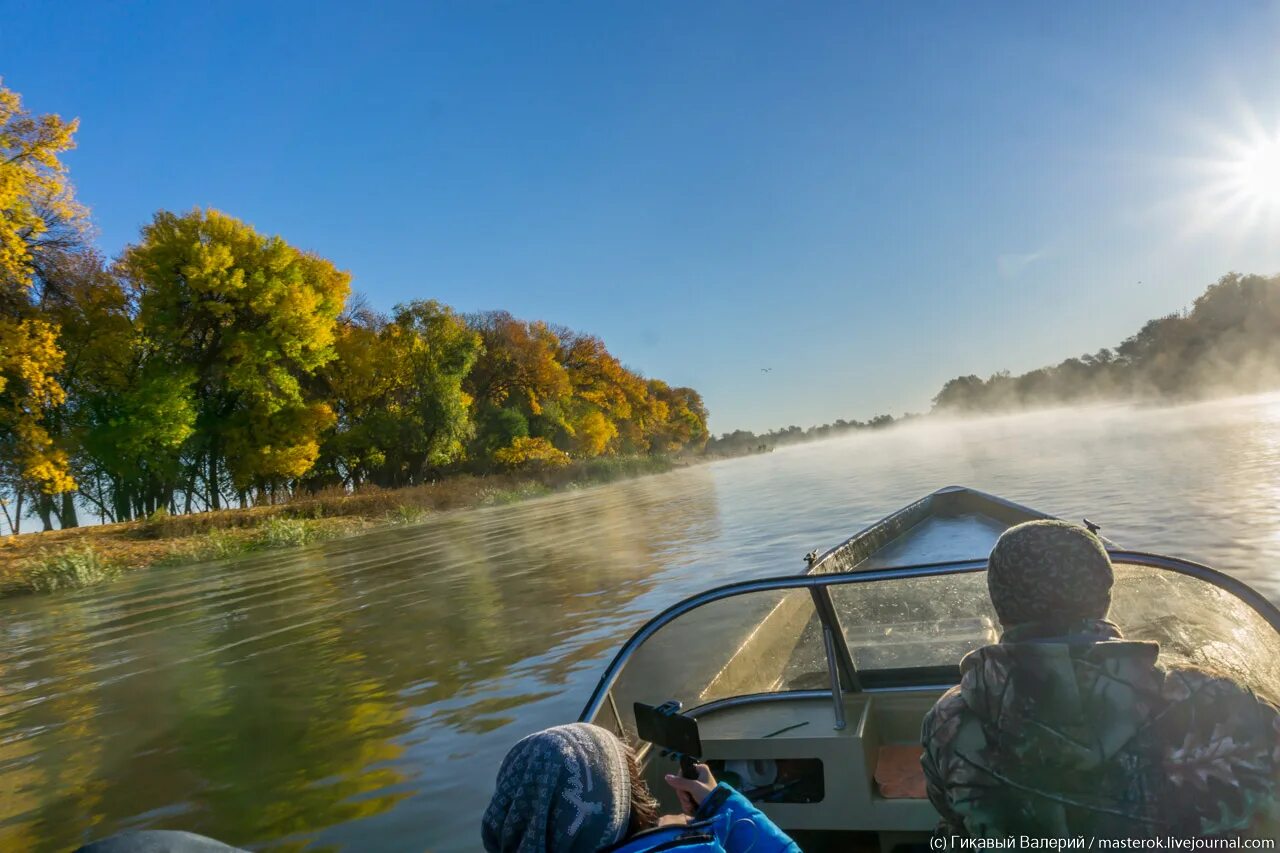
[938, 539]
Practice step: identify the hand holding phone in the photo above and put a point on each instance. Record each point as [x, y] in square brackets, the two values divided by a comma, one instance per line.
[693, 791]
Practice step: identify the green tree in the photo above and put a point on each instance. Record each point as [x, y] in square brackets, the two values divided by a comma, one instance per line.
[251, 318]
[397, 389]
[497, 427]
[964, 393]
[519, 369]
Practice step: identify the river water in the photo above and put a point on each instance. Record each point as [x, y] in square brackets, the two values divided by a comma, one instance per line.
[360, 694]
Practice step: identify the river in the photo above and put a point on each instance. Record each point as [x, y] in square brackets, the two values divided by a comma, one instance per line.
[359, 694]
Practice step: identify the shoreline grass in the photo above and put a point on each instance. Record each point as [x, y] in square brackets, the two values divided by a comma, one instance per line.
[86, 556]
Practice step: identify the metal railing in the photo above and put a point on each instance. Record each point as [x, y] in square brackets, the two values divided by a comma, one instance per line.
[839, 659]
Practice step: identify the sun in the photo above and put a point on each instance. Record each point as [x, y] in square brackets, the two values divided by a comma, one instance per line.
[1236, 179]
[1255, 175]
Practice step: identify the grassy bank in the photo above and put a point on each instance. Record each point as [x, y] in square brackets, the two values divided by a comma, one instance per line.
[83, 556]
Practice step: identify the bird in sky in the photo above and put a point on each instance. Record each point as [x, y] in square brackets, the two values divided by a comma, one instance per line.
[766, 370]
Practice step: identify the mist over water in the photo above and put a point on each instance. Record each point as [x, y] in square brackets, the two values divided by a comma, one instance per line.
[360, 694]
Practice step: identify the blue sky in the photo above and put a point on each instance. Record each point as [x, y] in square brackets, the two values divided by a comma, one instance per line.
[867, 198]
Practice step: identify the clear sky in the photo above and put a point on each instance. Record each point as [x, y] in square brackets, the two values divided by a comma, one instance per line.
[867, 198]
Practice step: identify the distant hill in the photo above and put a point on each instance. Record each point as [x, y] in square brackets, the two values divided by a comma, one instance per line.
[1228, 343]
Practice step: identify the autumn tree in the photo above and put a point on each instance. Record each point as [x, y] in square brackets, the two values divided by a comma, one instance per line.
[518, 371]
[251, 318]
[684, 421]
[358, 384]
[646, 415]
[602, 391]
[532, 453]
[396, 386]
[38, 216]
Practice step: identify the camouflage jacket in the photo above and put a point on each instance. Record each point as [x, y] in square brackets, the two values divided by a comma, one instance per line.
[1086, 735]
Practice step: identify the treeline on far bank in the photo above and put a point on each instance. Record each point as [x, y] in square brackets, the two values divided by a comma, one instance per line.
[1228, 342]
[212, 365]
[741, 442]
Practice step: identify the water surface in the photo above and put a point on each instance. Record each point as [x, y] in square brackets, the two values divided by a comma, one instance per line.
[359, 694]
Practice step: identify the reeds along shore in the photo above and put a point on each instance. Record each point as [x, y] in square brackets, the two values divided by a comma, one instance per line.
[84, 556]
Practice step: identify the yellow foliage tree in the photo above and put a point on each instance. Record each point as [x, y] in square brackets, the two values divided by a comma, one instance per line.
[592, 433]
[535, 452]
[681, 418]
[519, 364]
[38, 215]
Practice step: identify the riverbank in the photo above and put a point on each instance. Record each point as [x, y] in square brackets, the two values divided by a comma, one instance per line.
[83, 556]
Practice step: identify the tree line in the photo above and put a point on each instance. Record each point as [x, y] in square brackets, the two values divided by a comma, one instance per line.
[741, 442]
[1228, 342]
[210, 365]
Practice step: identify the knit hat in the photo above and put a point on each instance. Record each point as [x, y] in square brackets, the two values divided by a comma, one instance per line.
[563, 790]
[1049, 572]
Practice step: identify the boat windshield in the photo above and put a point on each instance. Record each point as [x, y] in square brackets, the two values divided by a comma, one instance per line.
[910, 631]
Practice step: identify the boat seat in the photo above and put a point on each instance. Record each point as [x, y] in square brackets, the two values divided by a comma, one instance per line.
[898, 773]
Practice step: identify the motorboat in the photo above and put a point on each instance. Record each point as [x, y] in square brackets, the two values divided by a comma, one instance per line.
[809, 689]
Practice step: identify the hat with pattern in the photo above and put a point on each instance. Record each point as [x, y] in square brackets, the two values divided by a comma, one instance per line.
[1049, 572]
[563, 790]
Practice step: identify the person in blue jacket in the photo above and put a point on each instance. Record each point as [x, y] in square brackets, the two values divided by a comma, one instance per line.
[578, 789]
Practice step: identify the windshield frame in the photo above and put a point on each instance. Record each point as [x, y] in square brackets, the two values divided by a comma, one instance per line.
[819, 584]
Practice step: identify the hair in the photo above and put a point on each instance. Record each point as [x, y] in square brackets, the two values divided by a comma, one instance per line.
[644, 806]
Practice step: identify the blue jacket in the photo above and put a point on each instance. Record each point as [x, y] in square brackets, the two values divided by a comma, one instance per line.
[726, 822]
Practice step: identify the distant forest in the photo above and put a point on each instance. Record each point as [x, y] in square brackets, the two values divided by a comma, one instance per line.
[741, 441]
[1229, 342]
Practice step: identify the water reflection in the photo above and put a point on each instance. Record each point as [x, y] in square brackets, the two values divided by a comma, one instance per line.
[360, 694]
[268, 700]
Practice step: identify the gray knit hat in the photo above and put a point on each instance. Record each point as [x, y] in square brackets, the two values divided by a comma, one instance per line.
[1049, 572]
[563, 790]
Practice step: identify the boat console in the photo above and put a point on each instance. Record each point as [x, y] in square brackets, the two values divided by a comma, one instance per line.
[836, 785]
[807, 774]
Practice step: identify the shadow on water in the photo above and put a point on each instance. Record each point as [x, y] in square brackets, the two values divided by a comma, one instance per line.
[360, 694]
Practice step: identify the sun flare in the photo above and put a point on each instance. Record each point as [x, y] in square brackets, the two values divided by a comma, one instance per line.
[1256, 174]
[1237, 179]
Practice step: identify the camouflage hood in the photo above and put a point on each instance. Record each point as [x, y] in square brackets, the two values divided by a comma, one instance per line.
[1075, 705]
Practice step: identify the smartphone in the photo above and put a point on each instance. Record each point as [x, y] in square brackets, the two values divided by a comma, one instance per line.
[665, 726]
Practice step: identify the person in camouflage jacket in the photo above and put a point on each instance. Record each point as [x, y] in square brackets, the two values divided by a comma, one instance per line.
[1064, 729]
